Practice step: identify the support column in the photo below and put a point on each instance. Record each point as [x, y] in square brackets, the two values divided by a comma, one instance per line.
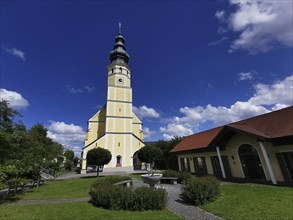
[221, 162]
[83, 164]
[268, 162]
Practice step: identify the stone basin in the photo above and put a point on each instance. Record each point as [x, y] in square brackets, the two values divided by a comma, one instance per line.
[151, 179]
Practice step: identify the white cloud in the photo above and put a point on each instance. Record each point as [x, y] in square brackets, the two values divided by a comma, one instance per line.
[262, 25]
[89, 89]
[69, 135]
[281, 92]
[265, 99]
[168, 137]
[61, 127]
[147, 133]
[15, 99]
[215, 43]
[16, 52]
[220, 15]
[145, 112]
[176, 128]
[246, 75]
[72, 90]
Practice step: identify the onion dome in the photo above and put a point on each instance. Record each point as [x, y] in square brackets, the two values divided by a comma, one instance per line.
[119, 55]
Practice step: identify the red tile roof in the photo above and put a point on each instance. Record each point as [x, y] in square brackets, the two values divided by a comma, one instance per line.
[197, 141]
[275, 124]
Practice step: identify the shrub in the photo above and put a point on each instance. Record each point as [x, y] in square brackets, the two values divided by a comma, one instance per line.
[111, 197]
[184, 177]
[171, 173]
[200, 190]
[68, 165]
[106, 195]
[149, 199]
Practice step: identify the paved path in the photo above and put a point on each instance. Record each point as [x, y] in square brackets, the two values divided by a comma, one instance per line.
[175, 204]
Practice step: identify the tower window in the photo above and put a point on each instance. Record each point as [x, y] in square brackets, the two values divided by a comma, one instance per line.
[120, 70]
[119, 109]
[119, 144]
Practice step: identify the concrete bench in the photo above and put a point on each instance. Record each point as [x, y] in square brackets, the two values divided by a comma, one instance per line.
[126, 183]
[172, 180]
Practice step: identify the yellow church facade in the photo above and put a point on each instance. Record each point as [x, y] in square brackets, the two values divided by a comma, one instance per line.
[115, 126]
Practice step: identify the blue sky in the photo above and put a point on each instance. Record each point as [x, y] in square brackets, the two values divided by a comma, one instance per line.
[195, 64]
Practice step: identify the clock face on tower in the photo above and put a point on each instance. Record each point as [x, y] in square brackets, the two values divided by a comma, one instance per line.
[120, 81]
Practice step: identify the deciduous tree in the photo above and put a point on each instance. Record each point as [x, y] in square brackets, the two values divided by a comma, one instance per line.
[98, 157]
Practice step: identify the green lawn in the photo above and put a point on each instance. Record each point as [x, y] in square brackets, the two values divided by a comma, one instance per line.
[80, 211]
[237, 202]
[243, 201]
[136, 176]
[70, 188]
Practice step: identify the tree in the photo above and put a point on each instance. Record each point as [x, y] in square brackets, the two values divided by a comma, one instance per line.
[42, 150]
[98, 157]
[8, 131]
[148, 154]
[6, 116]
[69, 154]
[167, 160]
[75, 161]
[23, 152]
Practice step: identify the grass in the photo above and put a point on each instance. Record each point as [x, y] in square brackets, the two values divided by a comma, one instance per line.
[136, 176]
[70, 188]
[237, 202]
[246, 202]
[80, 211]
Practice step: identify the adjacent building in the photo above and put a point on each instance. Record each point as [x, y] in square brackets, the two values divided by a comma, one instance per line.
[258, 149]
[115, 127]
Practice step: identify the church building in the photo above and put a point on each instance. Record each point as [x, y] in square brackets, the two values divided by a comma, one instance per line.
[115, 126]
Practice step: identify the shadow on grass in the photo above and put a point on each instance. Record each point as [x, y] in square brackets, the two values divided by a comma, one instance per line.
[8, 198]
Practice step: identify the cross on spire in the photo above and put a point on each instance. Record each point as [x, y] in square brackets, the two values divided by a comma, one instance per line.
[119, 25]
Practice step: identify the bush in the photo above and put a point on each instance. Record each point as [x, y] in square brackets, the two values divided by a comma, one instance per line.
[111, 197]
[149, 199]
[68, 165]
[200, 190]
[106, 195]
[184, 177]
[171, 173]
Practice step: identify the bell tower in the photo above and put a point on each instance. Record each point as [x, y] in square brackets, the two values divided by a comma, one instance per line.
[115, 127]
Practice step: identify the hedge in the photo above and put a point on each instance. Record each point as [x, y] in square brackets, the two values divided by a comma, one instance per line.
[116, 197]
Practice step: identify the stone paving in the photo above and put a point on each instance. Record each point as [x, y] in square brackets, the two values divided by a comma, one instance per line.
[175, 204]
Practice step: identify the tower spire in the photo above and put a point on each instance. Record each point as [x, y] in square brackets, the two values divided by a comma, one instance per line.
[119, 55]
